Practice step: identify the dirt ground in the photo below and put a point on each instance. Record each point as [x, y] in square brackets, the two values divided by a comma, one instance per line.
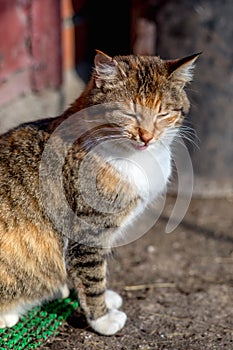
[177, 288]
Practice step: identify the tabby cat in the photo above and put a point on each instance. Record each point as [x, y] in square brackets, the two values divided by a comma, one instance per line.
[41, 259]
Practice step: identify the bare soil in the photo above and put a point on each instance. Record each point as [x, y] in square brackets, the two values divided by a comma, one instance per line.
[177, 288]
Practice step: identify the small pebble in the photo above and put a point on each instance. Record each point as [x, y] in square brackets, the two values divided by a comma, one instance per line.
[151, 249]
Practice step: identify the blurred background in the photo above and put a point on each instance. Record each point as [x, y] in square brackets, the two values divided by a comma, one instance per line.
[46, 57]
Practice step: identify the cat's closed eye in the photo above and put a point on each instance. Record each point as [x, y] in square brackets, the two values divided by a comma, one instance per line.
[163, 115]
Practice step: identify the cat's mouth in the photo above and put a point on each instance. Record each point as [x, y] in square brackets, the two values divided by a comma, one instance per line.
[141, 147]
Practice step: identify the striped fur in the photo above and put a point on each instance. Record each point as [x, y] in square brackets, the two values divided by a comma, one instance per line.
[37, 260]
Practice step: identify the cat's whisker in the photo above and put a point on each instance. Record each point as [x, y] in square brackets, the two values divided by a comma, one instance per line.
[188, 130]
[187, 123]
[190, 134]
[190, 140]
[183, 132]
[179, 141]
[177, 135]
[187, 127]
[94, 141]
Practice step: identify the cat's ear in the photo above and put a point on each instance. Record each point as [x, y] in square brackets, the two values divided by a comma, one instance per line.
[181, 70]
[106, 69]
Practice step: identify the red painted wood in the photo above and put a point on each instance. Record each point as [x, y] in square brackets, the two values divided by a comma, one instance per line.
[30, 46]
[14, 35]
[46, 43]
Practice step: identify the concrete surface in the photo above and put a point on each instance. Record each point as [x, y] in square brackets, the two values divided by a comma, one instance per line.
[48, 103]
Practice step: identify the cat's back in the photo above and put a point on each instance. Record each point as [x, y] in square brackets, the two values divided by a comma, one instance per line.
[21, 150]
[22, 146]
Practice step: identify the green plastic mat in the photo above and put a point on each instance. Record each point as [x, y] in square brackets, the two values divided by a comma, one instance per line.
[38, 325]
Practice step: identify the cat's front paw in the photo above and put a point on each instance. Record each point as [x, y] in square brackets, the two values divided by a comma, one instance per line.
[110, 323]
[8, 320]
[113, 300]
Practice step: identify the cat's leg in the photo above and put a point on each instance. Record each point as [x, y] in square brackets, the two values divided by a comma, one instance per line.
[110, 323]
[113, 300]
[100, 305]
[8, 319]
[62, 293]
[11, 317]
[65, 292]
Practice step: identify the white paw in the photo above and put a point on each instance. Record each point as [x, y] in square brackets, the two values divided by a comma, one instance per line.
[110, 323]
[8, 320]
[112, 299]
[65, 292]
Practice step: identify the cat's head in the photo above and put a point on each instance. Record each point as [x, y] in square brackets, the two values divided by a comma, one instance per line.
[149, 93]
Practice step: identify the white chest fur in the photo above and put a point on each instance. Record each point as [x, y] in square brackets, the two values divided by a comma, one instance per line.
[148, 170]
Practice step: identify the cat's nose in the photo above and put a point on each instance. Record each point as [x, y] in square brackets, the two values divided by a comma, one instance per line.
[145, 135]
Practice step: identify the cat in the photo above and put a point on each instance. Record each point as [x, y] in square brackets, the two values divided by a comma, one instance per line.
[146, 105]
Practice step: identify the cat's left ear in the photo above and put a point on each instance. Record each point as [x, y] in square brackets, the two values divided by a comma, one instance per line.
[181, 70]
[106, 69]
